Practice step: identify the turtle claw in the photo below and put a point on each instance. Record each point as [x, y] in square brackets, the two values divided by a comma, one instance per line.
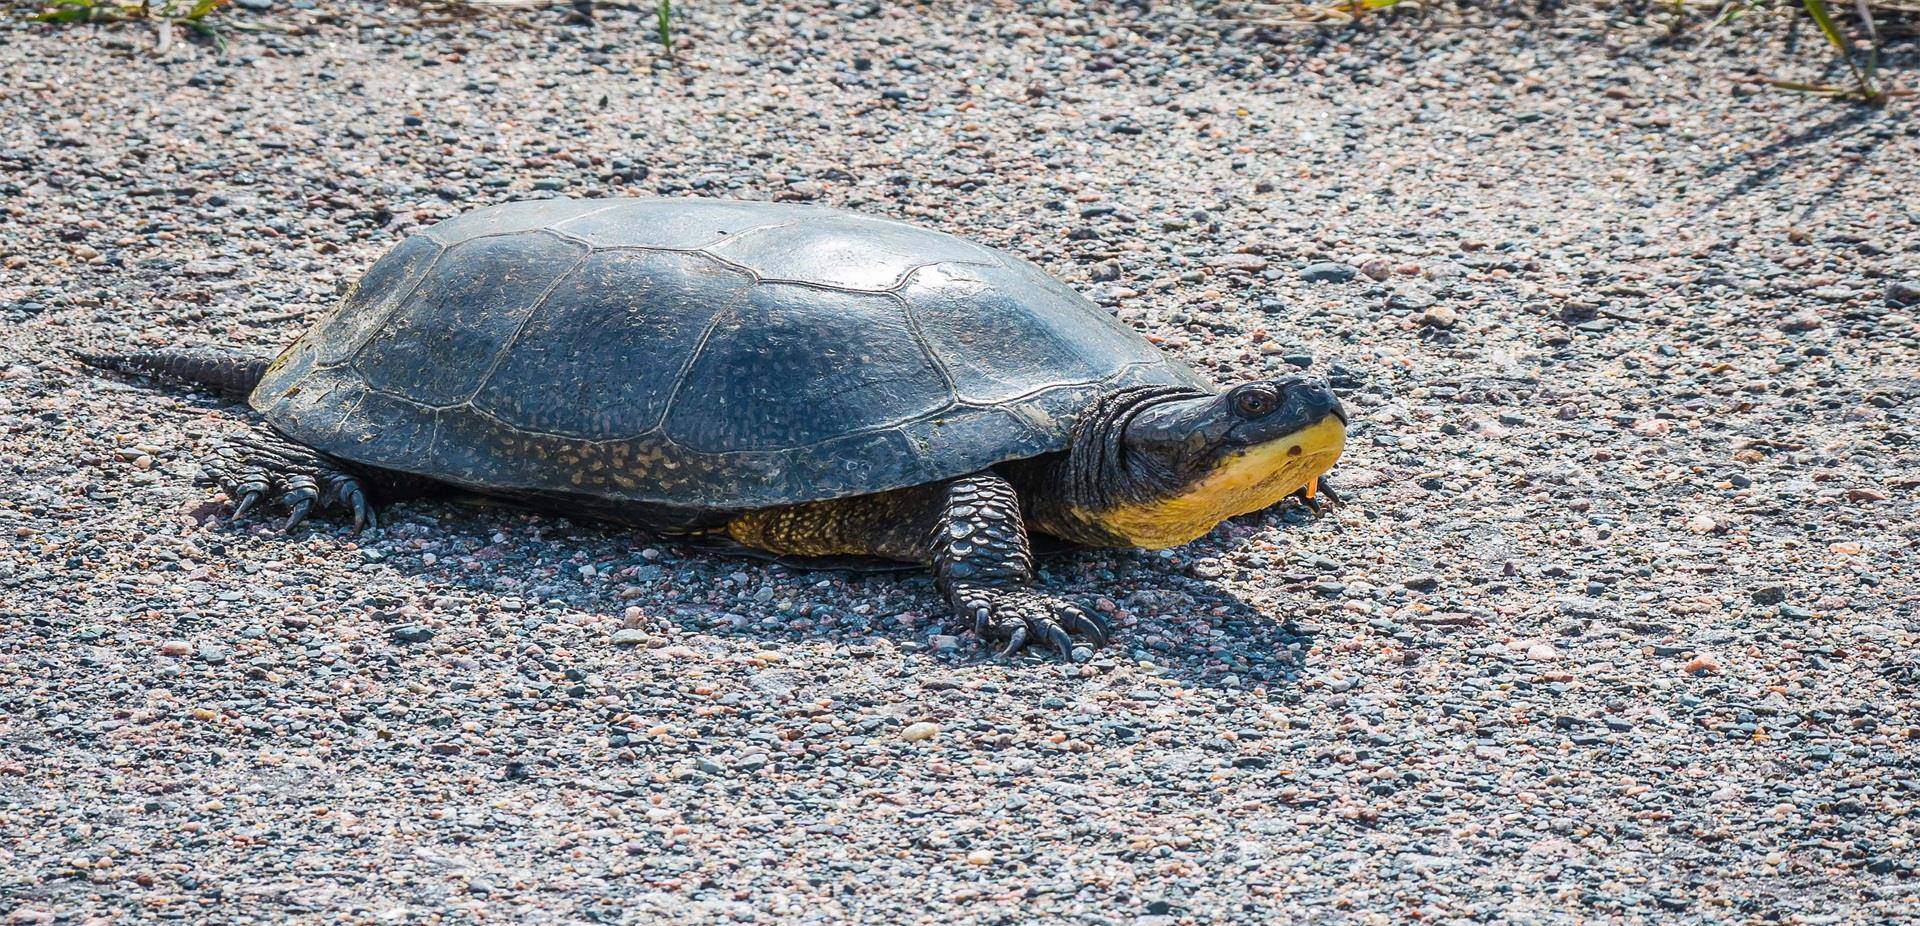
[1319, 498]
[246, 501]
[1022, 617]
[1088, 625]
[301, 494]
[364, 517]
[296, 514]
[256, 467]
[1333, 498]
[1061, 643]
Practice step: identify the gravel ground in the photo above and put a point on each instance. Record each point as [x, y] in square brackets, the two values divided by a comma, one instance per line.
[1619, 624]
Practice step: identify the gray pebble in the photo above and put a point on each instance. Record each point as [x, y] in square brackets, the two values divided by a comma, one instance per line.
[1409, 299]
[1328, 272]
[410, 633]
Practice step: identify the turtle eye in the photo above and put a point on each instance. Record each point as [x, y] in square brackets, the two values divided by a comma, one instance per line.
[1255, 401]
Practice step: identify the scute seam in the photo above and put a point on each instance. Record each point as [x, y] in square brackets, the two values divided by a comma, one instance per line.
[686, 369]
[926, 348]
[555, 227]
[896, 287]
[373, 330]
[500, 353]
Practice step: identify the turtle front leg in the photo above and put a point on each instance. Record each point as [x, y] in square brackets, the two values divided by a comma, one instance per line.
[261, 466]
[984, 566]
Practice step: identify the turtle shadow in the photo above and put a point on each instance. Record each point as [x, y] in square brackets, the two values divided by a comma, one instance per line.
[1170, 609]
[1164, 611]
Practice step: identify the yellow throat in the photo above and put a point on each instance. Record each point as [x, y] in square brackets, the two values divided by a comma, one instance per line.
[1246, 481]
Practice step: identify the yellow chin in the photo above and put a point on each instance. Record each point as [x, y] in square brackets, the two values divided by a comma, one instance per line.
[1247, 481]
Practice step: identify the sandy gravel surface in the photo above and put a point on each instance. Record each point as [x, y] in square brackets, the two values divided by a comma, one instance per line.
[1619, 626]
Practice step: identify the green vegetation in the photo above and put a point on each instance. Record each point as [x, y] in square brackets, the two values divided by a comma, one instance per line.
[1356, 9]
[165, 14]
[663, 17]
[191, 12]
[1866, 87]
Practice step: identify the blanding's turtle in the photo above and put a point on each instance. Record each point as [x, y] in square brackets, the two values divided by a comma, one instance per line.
[796, 380]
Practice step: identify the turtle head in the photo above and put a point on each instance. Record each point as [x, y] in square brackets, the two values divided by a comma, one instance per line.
[1174, 466]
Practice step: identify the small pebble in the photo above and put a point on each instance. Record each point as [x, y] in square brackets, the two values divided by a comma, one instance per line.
[1328, 272]
[1801, 321]
[1375, 267]
[1410, 298]
[410, 633]
[1703, 664]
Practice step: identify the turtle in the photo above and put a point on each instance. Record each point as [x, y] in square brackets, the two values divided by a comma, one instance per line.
[794, 380]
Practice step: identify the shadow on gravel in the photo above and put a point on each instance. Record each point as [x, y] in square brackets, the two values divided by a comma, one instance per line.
[1856, 129]
[1168, 611]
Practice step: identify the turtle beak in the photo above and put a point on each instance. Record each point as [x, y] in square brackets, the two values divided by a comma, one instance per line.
[1308, 401]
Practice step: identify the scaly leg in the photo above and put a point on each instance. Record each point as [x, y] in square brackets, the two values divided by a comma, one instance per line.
[970, 530]
[985, 567]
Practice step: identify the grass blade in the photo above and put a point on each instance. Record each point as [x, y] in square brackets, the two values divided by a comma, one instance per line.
[1873, 36]
[67, 11]
[1802, 87]
[663, 19]
[1823, 18]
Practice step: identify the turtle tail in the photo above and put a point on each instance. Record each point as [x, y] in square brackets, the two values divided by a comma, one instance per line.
[225, 373]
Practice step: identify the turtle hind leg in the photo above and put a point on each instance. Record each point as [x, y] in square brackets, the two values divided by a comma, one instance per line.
[261, 467]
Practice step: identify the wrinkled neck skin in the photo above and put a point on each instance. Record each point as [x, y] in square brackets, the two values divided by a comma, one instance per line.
[1066, 495]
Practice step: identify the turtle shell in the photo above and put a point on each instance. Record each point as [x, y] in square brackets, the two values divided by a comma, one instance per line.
[699, 353]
